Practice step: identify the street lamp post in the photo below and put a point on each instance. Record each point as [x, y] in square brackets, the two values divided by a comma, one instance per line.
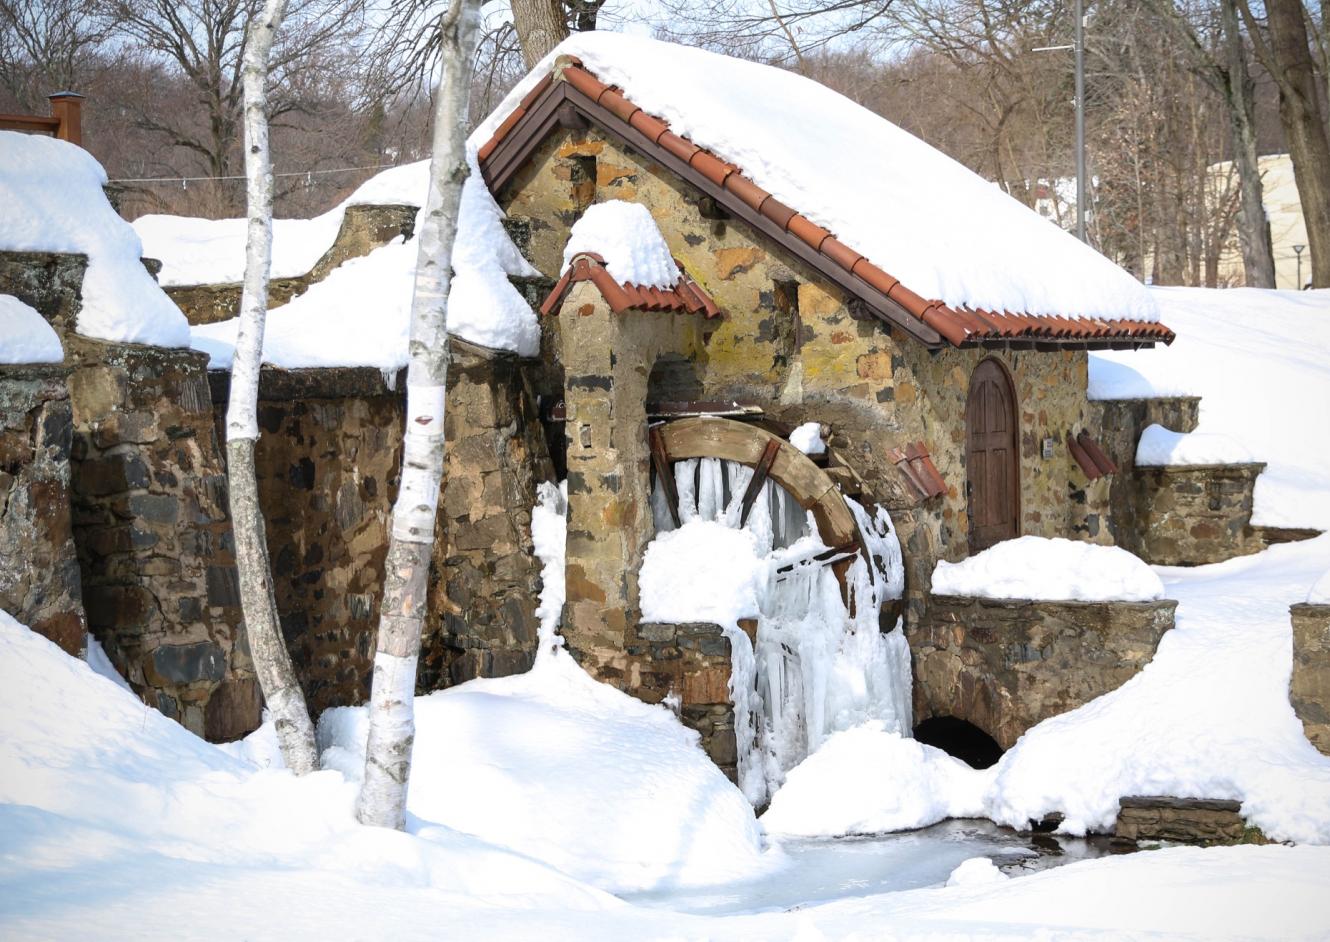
[1297, 250]
[1079, 46]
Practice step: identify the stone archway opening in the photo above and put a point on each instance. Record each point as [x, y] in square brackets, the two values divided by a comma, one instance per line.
[960, 739]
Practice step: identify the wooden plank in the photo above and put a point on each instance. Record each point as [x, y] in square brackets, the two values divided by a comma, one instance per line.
[660, 459]
[758, 479]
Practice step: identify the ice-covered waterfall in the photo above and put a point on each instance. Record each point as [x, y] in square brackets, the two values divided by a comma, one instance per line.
[815, 667]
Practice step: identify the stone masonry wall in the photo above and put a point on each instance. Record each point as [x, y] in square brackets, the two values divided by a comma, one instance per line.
[363, 229]
[792, 343]
[328, 464]
[1309, 688]
[1190, 515]
[1005, 665]
[153, 534]
[39, 572]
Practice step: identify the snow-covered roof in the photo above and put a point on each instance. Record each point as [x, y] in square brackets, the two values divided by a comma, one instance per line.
[966, 261]
[618, 248]
[51, 200]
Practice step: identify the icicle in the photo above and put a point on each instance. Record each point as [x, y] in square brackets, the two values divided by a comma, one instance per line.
[710, 489]
[685, 477]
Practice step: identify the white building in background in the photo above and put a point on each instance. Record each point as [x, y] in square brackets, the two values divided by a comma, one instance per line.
[1287, 227]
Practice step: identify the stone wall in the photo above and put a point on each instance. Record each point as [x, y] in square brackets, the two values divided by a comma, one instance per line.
[1005, 665]
[1204, 821]
[328, 462]
[39, 572]
[153, 534]
[363, 229]
[1190, 515]
[1309, 687]
[49, 282]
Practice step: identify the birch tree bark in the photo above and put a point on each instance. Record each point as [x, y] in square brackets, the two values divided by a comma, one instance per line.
[272, 662]
[382, 799]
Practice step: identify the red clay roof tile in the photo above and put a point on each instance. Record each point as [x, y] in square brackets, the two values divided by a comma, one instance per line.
[957, 325]
[686, 296]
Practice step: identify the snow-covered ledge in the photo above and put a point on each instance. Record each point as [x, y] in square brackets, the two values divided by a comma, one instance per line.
[1309, 687]
[1032, 628]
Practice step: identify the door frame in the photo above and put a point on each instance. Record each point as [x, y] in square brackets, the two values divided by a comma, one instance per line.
[1015, 476]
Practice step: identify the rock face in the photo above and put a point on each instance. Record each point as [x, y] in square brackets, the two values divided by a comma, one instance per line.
[39, 573]
[1309, 689]
[1190, 515]
[1183, 820]
[1005, 665]
[364, 228]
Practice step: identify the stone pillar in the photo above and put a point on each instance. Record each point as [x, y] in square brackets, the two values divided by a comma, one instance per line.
[39, 572]
[153, 533]
[607, 359]
[1309, 688]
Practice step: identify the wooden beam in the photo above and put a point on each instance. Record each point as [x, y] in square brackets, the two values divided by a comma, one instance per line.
[759, 478]
[660, 459]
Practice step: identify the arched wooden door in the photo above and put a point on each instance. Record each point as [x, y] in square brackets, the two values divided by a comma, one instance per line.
[992, 463]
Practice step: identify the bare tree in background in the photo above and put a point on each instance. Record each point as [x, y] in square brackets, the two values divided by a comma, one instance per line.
[272, 662]
[1283, 47]
[203, 40]
[382, 799]
[49, 46]
[1225, 70]
[541, 25]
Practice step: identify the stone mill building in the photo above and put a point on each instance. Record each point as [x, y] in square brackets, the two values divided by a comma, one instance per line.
[832, 269]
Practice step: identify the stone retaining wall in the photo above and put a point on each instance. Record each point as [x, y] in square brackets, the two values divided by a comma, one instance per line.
[1005, 665]
[1190, 515]
[1309, 688]
[153, 533]
[39, 573]
[364, 228]
[1204, 821]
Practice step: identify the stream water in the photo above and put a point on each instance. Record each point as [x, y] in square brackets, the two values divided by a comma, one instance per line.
[822, 870]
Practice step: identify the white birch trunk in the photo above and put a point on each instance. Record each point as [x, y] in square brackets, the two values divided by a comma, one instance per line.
[382, 799]
[272, 662]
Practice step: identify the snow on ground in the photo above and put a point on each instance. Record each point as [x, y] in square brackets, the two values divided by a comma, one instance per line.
[51, 200]
[1034, 567]
[625, 235]
[197, 251]
[868, 780]
[115, 818]
[1260, 360]
[360, 314]
[25, 336]
[1160, 446]
[1319, 594]
[562, 769]
[1005, 256]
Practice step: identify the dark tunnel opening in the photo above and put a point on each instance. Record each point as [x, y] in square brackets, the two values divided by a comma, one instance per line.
[958, 738]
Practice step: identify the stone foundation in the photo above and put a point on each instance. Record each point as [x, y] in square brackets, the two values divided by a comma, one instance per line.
[1202, 821]
[39, 573]
[1005, 665]
[364, 228]
[153, 533]
[1190, 515]
[1309, 688]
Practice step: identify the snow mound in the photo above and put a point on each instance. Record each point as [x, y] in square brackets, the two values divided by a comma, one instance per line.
[977, 871]
[360, 315]
[704, 571]
[98, 785]
[869, 780]
[25, 336]
[1255, 358]
[625, 235]
[1034, 567]
[1162, 447]
[808, 439]
[967, 242]
[1319, 594]
[51, 200]
[549, 539]
[197, 251]
[557, 767]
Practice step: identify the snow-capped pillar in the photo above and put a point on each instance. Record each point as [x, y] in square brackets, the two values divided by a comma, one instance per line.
[607, 358]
